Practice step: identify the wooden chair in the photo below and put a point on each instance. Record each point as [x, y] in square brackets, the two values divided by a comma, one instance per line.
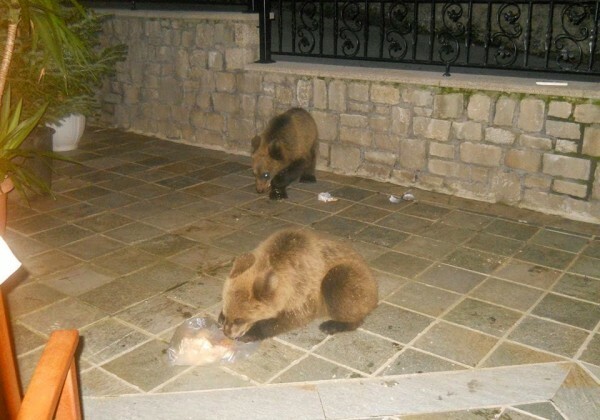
[53, 391]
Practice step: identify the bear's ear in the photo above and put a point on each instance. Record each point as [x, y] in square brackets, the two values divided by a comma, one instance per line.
[264, 287]
[241, 264]
[275, 151]
[255, 143]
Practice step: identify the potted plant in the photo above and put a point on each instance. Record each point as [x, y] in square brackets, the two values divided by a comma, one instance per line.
[42, 23]
[69, 90]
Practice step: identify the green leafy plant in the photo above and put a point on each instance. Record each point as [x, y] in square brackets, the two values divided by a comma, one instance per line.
[71, 89]
[51, 59]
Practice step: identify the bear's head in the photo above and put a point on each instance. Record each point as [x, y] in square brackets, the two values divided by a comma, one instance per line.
[250, 294]
[267, 161]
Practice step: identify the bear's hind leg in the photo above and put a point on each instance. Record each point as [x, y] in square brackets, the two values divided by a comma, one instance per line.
[350, 294]
[308, 176]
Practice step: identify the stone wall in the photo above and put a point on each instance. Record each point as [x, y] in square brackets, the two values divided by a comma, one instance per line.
[192, 79]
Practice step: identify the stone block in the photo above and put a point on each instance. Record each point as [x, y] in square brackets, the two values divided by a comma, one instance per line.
[587, 113]
[358, 91]
[538, 181]
[531, 115]
[237, 58]
[506, 187]
[448, 106]
[505, 111]
[284, 95]
[445, 168]
[479, 108]
[467, 130]
[412, 153]
[565, 146]
[327, 124]
[337, 96]
[533, 142]
[384, 94]
[170, 91]
[345, 158]
[358, 136]
[248, 105]
[225, 102]
[304, 90]
[480, 154]
[573, 189]
[374, 171]
[245, 34]
[214, 121]
[562, 129]
[441, 150]
[591, 141]
[248, 82]
[400, 120]
[418, 97]
[560, 109]
[379, 123]
[354, 120]
[566, 166]
[225, 82]
[382, 158]
[499, 135]
[422, 112]
[596, 186]
[432, 128]
[362, 107]
[265, 107]
[525, 160]
[215, 60]
[319, 94]
[386, 142]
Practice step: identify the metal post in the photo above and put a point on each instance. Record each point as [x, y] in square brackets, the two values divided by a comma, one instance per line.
[264, 10]
[252, 6]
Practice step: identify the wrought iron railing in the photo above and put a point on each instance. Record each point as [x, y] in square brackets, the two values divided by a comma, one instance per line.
[534, 35]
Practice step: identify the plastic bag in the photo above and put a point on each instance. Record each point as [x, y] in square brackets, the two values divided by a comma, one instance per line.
[200, 341]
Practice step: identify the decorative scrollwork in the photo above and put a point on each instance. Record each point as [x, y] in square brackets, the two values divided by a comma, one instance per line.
[572, 18]
[351, 23]
[309, 25]
[398, 46]
[449, 48]
[451, 14]
[508, 20]
[398, 13]
[506, 54]
[569, 53]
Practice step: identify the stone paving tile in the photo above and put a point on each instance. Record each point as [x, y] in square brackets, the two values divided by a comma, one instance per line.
[358, 350]
[456, 343]
[145, 367]
[143, 234]
[413, 361]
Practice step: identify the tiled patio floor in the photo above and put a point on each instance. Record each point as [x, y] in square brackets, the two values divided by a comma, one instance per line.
[142, 234]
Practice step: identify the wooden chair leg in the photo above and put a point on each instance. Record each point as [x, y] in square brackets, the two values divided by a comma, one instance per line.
[10, 386]
[69, 406]
[54, 381]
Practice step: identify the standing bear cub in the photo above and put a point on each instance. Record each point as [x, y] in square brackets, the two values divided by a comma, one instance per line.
[285, 151]
[291, 278]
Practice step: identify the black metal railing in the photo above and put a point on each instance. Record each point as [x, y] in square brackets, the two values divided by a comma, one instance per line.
[534, 35]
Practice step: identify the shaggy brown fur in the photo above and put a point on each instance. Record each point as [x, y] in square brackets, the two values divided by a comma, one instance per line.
[285, 151]
[291, 278]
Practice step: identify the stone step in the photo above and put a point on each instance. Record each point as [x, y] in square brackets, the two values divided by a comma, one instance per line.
[571, 389]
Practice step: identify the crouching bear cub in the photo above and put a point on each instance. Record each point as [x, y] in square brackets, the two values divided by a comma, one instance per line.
[285, 151]
[291, 278]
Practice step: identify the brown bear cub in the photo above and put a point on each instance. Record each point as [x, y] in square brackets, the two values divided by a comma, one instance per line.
[284, 152]
[291, 278]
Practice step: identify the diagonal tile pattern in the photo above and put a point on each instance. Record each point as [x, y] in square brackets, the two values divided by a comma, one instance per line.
[141, 236]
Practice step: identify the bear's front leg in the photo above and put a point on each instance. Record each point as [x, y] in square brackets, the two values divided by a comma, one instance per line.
[285, 178]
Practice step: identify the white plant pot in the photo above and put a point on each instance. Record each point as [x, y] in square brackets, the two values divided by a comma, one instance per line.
[68, 132]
